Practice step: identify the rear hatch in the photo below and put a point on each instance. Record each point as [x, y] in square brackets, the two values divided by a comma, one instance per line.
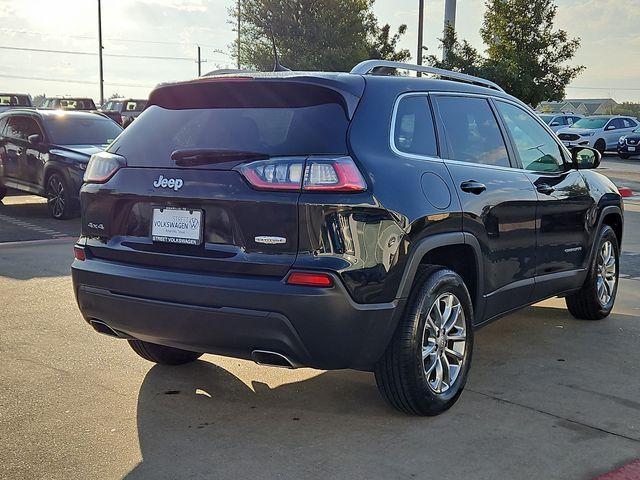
[180, 199]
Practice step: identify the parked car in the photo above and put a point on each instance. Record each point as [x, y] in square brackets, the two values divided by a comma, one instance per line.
[67, 103]
[14, 100]
[123, 110]
[46, 153]
[629, 145]
[336, 220]
[601, 132]
[558, 121]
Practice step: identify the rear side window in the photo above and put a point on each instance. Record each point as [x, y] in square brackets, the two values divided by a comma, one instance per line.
[471, 131]
[413, 130]
[270, 119]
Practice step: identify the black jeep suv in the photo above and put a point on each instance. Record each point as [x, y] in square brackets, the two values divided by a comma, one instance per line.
[338, 220]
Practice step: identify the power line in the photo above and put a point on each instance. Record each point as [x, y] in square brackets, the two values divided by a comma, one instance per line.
[605, 88]
[123, 40]
[84, 82]
[73, 52]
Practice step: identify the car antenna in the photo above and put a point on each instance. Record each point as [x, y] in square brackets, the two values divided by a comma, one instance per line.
[277, 66]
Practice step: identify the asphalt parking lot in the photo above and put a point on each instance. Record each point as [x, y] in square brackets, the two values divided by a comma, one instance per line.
[548, 396]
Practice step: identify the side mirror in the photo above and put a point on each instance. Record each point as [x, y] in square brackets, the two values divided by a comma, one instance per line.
[35, 139]
[610, 127]
[554, 124]
[585, 157]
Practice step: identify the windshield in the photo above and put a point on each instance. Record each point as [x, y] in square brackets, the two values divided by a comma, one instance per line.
[591, 123]
[81, 130]
[547, 118]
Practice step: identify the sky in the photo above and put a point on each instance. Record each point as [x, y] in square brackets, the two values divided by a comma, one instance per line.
[172, 28]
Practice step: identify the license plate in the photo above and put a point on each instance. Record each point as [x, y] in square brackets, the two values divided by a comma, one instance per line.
[631, 149]
[176, 225]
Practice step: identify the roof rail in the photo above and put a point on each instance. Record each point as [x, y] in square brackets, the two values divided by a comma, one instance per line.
[368, 66]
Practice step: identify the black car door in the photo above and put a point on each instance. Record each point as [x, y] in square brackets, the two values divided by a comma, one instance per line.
[564, 202]
[498, 201]
[12, 151]
[33, 155]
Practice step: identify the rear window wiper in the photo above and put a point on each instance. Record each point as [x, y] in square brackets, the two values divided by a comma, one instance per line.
[207, 156]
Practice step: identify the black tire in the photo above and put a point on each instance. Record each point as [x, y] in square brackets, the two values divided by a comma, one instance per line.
[59, 201]
[586, 304]
[161, 354]
[600, 145]
[401, 373]
[624, 156]
[3, 192]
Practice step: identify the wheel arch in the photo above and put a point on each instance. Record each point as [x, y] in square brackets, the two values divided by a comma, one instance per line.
[458, 251]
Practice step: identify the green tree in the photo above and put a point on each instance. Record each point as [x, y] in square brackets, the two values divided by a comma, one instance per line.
[461, 55]
[627, 108]
[329, 35]
[525, 55]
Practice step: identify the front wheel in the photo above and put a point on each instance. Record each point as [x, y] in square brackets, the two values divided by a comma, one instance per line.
[600, 145]
[59, 201]
[425, 366]
[595, 299]
[161, 354]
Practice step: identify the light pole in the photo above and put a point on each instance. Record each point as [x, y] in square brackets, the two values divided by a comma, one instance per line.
[238, 34]
[420, 28]
[449, 21]
[100, 53]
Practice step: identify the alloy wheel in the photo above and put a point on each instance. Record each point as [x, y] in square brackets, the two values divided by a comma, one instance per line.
[56, 196]
[443, 342]
[606, 273]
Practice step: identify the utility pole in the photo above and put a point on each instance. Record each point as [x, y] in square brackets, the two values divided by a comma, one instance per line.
[420, 28]
[449, 21]
[199, 62]
[239, 34]
[100, 53]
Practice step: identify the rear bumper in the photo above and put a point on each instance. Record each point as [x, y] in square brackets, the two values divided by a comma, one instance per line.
[316, 327]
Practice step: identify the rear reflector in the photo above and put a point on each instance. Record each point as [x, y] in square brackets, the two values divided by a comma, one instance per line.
[310, 279]
[307, 174]
[78, 253]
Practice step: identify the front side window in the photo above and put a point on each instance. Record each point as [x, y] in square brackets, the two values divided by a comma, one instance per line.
[21, 127]
[537, 149]
[472, 132]
[413, 130]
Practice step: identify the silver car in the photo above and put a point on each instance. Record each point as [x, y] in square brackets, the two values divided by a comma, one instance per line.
[556, 121]
[601, 132]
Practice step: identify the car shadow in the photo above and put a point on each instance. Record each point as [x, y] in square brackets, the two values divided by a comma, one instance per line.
[202, 421]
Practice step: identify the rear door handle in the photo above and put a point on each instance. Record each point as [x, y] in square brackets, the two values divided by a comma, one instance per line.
[471, 186]
[546, 189]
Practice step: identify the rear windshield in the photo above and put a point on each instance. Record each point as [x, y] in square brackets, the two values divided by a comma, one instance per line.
[317, 128]
[85, 130]
[7, 99]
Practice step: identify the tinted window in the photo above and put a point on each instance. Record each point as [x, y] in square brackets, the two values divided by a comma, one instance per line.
[628, 123]
[22, 127]
[413, 131]
[561, 120]
[87, 129]
[134, 105]
[537, 149]
[547, 118]
[14, 100]
[316, 129]
[472, 132]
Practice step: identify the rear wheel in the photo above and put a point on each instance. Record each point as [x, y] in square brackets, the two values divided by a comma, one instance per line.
[595, 299]
[161, 354]
[600, 145]
[425, 366]
[58, 200]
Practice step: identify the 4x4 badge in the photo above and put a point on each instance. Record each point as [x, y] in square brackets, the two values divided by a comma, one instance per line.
[270, 240]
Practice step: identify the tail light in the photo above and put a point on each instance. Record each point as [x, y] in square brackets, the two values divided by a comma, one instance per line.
[102, 166]
[311, 174]
[79, 254]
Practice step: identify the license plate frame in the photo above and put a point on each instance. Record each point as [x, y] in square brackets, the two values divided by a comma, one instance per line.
[177, 226]
[631, 149]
